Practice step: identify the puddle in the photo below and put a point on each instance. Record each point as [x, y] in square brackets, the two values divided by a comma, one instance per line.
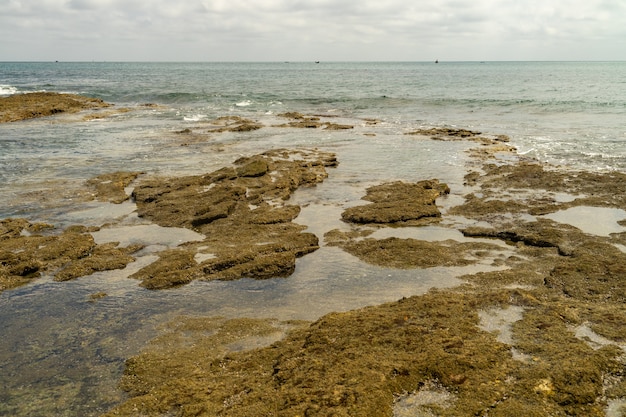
[500, 320]
[320, 218]
[101, 213]
[147, 234]
[616, 408]
[564, 197]
[594, 340]
[411, 405]
[600, 221]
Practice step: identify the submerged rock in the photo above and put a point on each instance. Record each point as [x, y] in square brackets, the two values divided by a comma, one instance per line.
[25, 254]
[412, 253]
[234, 124]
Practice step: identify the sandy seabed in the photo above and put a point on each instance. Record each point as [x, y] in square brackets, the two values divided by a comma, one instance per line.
[540, 335]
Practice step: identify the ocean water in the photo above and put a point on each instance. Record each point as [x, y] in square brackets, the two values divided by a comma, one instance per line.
[62, 355]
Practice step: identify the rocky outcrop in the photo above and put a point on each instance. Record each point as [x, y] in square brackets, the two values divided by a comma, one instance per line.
[28, 106]
[242, 212]
[399, 203]
[28, 250]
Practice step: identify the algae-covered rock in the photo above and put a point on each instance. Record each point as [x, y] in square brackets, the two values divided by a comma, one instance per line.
[242, 212]
[359, 362]
[411, 253]
[31, 105]
[25, 254]
[173, 268]
[111, 186]
[399, 203]
[542, 233]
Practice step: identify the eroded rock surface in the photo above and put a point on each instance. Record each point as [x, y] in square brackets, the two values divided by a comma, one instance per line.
[399, 203]
[241, 211]
[111, 186]
[26, 253]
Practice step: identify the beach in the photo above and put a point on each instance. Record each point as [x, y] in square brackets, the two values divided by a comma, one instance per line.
[317, 263]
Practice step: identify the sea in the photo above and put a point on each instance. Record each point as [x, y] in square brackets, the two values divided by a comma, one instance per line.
[62, 353]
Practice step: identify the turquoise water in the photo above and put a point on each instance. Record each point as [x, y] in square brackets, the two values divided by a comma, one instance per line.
[62, 355]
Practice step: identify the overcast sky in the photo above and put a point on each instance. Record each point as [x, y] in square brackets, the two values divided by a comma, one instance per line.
[305, 30]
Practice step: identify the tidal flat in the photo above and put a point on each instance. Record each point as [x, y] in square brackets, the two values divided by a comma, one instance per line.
[432, 353]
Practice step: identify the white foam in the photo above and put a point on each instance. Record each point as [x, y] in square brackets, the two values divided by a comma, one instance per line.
[7, 90]
[244, 103]
[195, 117]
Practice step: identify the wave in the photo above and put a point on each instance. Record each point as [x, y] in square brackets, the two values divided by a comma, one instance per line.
[7, 90]
[552, 105]
[195, 118]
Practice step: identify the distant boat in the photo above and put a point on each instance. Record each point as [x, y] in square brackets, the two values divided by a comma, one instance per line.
[436, 61]
[317, 62]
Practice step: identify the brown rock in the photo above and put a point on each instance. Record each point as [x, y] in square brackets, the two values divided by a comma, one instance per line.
[241, 211]
[25, 255]
[399, 203]
[27, 106]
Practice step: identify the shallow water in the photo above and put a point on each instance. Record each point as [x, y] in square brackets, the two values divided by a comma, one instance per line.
[601, 221]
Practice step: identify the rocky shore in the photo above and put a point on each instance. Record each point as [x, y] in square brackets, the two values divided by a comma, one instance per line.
[557, 346]
[32, 105]
[541, 334]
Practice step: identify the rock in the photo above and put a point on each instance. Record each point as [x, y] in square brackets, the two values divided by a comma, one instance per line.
[111, 186]
[31, 105]
[241, 211]
[234, 124]
[399, 203]
[25, 255]
[440, 132]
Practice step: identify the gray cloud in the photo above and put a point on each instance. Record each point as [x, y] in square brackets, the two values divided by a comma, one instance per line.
[313, 29]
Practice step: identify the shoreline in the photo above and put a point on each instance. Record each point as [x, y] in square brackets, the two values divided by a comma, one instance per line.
[565, 349]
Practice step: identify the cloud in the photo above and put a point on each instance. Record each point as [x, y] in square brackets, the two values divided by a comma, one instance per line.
[312, 29]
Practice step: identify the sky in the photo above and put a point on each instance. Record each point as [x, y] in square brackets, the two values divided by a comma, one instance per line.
[312, 30]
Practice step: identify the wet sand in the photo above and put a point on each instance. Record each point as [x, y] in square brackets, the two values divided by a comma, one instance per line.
[558, 346]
